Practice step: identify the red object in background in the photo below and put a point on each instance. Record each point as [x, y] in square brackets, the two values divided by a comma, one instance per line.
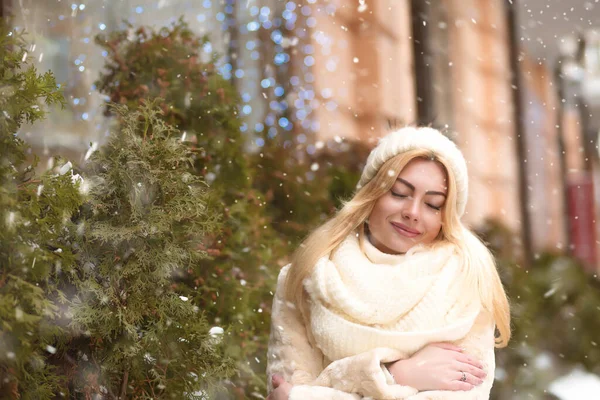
[580, 203]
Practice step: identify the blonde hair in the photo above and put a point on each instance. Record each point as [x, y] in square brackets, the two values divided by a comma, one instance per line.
[478, 263]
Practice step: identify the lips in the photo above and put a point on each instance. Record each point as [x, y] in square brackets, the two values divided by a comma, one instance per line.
[405, 230]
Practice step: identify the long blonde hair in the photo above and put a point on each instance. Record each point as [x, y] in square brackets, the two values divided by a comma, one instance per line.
[478, 263]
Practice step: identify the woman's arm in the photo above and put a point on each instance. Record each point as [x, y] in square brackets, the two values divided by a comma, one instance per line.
[292, 356]
[479, 343]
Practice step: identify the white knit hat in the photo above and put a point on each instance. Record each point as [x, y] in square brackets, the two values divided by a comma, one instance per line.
[410, 138]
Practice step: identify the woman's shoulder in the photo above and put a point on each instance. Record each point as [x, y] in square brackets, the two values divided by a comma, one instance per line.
[290, 307]
[283, 273]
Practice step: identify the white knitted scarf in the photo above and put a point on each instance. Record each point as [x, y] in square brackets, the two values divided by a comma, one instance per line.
[362, 299]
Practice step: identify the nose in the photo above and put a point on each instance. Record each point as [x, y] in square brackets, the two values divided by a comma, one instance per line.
[411, 211]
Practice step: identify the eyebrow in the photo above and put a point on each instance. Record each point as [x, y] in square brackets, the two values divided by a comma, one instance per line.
[412, 187]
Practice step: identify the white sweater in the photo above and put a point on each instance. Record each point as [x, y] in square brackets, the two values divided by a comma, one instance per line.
[367, 308]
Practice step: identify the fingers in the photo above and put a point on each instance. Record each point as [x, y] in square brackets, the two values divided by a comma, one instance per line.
[470, 379]
[458, 385]
[463, 357]
[448, 346]
[277, 380]
[467, 359]
[472, 370]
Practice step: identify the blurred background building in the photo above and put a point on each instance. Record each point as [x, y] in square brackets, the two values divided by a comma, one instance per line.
[516, 84]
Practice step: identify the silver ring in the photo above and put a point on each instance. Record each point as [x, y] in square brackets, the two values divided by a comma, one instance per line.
[464, 377]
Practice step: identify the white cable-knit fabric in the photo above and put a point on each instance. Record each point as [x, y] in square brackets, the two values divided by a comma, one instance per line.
[358, 304]
[367, 308]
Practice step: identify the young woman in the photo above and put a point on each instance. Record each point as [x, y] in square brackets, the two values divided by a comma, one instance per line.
[393, 297]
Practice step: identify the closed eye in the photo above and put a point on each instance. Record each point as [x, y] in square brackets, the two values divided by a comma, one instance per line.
[402, 196]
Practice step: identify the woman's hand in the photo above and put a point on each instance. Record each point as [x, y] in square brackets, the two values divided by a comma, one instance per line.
[281, 389]
[438, 366]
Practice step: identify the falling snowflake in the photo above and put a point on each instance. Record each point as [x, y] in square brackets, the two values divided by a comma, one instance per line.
[65, 168]
[215, 331]
[362, 7]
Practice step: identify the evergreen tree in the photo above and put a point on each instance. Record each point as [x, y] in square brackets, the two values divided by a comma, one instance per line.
[148, 214]
[88, 305]
[170, 63]
[234, 286]
[35, 219]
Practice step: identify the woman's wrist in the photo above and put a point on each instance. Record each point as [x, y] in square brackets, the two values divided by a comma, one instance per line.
[398, 371]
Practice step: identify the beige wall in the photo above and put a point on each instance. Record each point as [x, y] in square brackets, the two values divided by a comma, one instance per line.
[572, 133]
[373, 81]
[483, 108]
[543, 159]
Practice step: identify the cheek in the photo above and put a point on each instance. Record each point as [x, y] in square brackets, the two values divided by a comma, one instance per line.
[383, 207]
[435, 222]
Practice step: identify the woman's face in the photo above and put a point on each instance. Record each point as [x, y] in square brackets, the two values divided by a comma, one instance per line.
[411, 212]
